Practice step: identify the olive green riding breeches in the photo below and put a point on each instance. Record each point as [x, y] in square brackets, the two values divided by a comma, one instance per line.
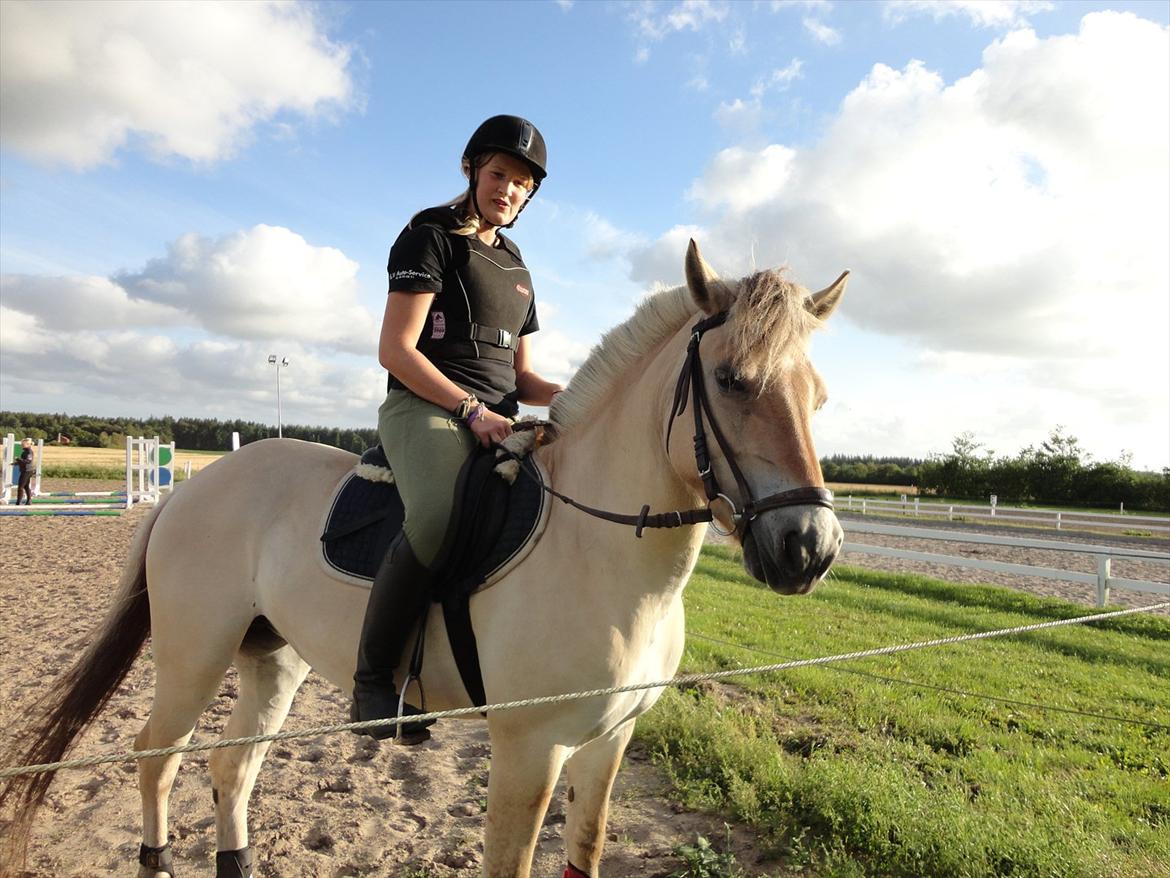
[426, 446]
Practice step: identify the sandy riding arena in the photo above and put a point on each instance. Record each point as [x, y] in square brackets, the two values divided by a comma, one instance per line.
[333, 806]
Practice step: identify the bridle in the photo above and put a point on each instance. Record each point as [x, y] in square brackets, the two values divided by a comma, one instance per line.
[691, 378]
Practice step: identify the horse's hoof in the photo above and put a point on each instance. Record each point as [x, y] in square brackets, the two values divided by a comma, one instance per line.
[155, 862]
[233, 864]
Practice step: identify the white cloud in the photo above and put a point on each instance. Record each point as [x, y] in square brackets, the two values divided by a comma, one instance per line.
[821, 32]
[565, 5]
[556, 356]
[1019, 212]
[982, 13]
[778, 79]
[741, 179]
[196, 326]
[739, 116]
[816, 5]
[79, 81]
[655, 21]
[82, 302]
[264, 283]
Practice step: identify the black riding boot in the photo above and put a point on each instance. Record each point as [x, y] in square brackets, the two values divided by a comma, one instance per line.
[398, 599]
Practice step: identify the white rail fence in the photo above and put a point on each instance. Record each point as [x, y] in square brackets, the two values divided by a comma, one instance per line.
[1103, 579]
[1060, 519]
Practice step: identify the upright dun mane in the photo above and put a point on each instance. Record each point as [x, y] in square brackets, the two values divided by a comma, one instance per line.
[767, 325]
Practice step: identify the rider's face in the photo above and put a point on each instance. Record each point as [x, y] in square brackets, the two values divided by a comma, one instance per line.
[502, 186]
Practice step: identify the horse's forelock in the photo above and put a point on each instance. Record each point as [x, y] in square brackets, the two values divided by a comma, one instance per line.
[769, 325]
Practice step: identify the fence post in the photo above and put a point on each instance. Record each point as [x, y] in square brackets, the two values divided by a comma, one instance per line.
[950, 513]
[994, 499]
[1104, 568]
[1058, 521]
[915, 507]
[863, 506]
[1121, 509]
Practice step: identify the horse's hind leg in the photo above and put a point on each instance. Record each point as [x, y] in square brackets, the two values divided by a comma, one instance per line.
[589, 776]
[269, 678]
[183, 688]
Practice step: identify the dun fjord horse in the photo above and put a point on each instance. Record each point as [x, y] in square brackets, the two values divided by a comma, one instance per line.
[237, 543]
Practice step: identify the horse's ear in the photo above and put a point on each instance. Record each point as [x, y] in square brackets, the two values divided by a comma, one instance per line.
[709, 293]
[824, 303]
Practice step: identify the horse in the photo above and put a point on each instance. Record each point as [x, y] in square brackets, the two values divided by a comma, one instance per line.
[221, 573]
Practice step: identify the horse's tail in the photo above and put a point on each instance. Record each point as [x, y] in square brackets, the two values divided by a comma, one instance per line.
[76, 698]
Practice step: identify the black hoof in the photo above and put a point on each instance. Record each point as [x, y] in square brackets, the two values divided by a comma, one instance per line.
[233, 864]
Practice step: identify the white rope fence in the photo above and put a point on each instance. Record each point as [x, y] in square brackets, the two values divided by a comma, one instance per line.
[685, 680]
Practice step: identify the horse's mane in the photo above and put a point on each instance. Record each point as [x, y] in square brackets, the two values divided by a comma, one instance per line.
[767, 324]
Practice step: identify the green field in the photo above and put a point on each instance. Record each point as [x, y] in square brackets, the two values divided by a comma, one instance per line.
[870, 768]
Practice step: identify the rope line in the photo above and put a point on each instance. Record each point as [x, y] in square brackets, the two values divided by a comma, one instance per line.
[904, 682]
[685, 680]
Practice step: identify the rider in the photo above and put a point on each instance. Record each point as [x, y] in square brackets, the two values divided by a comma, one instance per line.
[455, 342]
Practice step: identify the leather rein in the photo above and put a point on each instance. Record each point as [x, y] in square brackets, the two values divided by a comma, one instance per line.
[691, 379]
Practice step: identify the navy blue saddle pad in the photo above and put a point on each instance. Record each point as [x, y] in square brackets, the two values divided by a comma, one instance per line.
[492, 522]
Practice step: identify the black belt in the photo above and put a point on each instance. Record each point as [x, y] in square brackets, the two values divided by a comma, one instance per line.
[499, 338]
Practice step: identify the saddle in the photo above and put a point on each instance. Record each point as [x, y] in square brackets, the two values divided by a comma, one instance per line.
[497, 518]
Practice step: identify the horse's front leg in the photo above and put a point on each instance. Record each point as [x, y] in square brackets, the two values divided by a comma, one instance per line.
[524, 770]
[589, 775]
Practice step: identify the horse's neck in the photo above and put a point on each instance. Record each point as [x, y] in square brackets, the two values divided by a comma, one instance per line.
[617, 461]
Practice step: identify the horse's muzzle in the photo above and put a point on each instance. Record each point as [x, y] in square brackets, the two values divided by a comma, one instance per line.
[791, 550]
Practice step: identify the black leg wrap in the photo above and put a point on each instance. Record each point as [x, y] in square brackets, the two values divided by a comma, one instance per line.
[234, 864]
[399, 598]
[157, 858]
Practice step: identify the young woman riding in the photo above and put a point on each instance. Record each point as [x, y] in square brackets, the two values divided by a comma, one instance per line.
[455, 342]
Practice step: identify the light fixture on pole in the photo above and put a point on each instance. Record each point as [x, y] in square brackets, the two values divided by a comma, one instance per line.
[283, 361]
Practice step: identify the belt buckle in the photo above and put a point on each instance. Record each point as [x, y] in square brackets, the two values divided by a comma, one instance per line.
[504, 338]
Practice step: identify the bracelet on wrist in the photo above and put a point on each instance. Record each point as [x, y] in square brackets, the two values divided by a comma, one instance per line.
[476, 414]
[466, 407]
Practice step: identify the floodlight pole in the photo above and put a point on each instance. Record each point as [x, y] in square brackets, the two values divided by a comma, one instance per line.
[283, 361]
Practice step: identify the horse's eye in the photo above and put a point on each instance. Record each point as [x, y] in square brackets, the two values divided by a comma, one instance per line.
[728, 381]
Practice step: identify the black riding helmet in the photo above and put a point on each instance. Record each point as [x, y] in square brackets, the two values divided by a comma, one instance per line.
[514, 136]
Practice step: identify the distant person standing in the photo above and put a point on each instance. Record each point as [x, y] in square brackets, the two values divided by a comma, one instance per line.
[27, 464]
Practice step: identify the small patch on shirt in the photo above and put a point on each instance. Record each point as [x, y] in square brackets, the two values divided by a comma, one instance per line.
[438, 324]
[409, 274]
[524, 291]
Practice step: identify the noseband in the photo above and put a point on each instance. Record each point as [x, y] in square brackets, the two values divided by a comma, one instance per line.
[691, 377]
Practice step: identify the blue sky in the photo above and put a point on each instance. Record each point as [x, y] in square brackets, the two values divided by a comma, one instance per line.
[185, 189]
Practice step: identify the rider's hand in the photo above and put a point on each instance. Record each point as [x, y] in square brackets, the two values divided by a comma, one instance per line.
[490, 427]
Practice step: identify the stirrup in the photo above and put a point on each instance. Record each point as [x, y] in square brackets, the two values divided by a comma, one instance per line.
[422, 734]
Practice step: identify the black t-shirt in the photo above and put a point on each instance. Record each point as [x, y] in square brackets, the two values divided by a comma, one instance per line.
[474, 284]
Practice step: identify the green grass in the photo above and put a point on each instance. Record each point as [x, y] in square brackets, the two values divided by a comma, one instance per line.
[850, 774]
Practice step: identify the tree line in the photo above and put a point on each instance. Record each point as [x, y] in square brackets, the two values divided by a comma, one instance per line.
[1057, 472]
[190, 434]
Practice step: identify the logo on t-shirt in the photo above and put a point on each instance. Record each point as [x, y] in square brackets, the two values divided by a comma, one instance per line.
[524, 291]
[438, 324]
[409, 274]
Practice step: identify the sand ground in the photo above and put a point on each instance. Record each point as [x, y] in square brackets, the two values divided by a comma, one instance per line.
[337, 805]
